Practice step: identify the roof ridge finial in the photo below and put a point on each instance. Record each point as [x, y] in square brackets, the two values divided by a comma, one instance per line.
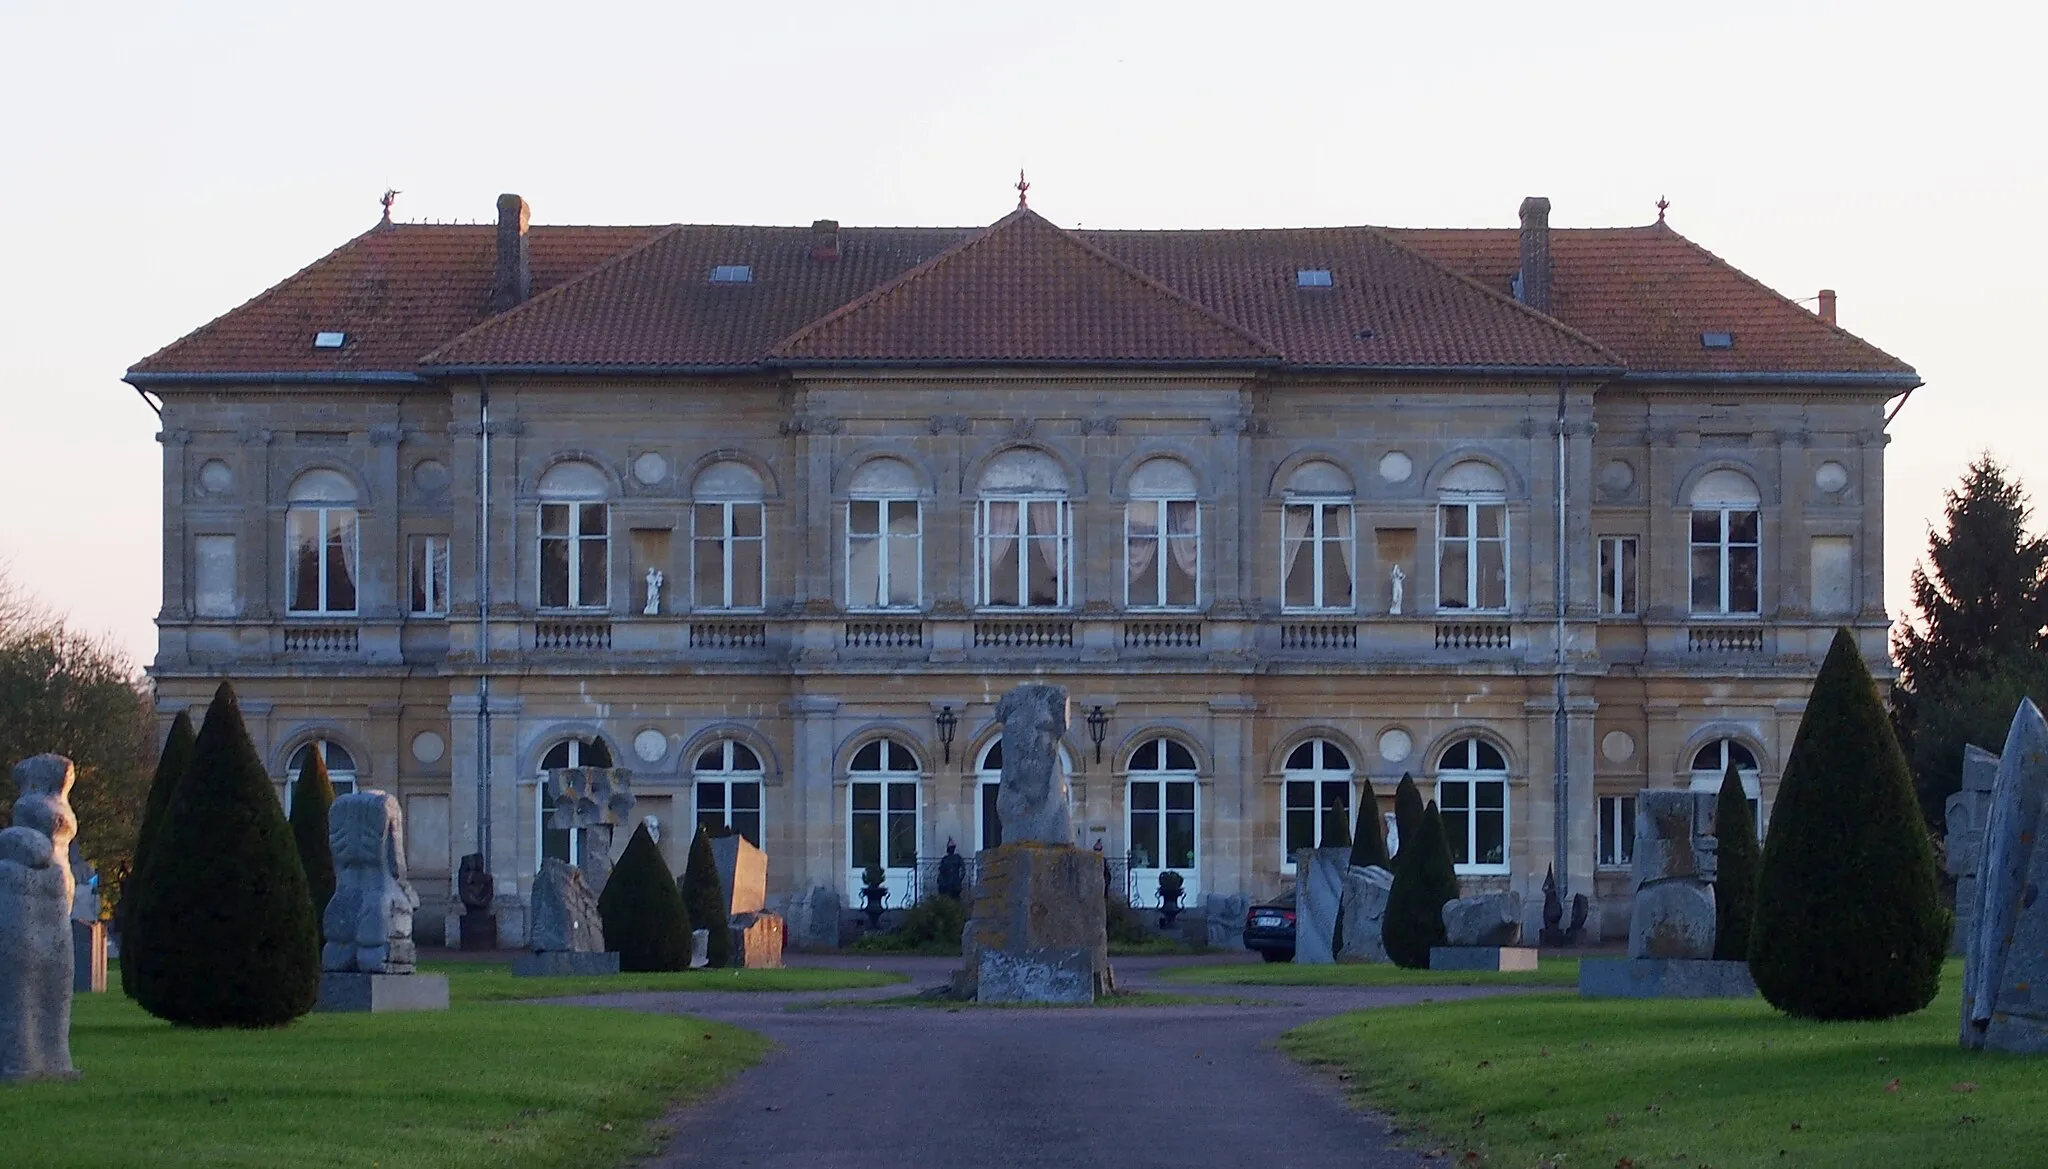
[390, 197]
[1023, 188]
[1663, 205]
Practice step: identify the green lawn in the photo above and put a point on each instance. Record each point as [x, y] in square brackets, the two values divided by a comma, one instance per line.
[484, 982]
[1558, 1081]
[482, 1084]
[1122, 998]
[1549, 972]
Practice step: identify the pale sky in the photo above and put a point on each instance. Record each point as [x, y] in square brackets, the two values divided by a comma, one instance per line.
[160, 164]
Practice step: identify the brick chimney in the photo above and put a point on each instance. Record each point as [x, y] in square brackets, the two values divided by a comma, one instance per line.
[825, 240]
[1827, 305]
[514, 280]
[1534, 283]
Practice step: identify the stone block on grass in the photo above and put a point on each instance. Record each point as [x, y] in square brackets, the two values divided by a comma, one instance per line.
[1032, 898]
[757, 940]
[1365, 911]
[352, 991]
[1664, 978]
[1052, 974]
[1482, 957]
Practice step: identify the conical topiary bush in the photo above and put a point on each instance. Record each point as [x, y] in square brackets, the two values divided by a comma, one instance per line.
[171, 765]
[643, 913]
[1407, 812]
[1424, 879]
[1369, 837]
[1738, 857]
[704, 899]
[312, 796]
[228, 932]
[1849, 922]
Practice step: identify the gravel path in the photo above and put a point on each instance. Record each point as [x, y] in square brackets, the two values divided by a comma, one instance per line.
[1176, 1087]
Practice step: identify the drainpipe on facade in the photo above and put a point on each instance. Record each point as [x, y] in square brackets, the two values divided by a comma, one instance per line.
[1560, 720]
[483, 622]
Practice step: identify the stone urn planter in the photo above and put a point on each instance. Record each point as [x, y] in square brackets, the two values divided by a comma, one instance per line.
[1170, 886]
[872, 893]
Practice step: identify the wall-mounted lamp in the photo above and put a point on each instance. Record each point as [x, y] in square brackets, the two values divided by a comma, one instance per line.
[947, 720]
[1098, 729]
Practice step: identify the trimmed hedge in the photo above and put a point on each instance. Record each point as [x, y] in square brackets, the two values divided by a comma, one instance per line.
[1849, 922]
[171, 766]
[1407, 811]
[1739, 858]
[312, 797]
[1424, 880]
[642, 910]
[1369, 837]
[704, 899]
[226, 926]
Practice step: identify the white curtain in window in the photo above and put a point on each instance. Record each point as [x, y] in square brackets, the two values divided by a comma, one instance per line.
[1142, 543]
[1295, 526]
[1182, 521]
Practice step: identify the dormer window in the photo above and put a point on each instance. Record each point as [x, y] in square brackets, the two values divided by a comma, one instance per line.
[327, 340]
[1312, 278]
[1717, 340]
[732, 274]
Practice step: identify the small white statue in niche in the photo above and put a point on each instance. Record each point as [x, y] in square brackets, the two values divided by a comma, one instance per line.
[653, 606]
[1396, 583]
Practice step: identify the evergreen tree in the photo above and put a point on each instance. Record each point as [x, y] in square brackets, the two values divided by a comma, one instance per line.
[1424, 880]
[704, 899]
[171, 765]
[644, 918]
[1407, 813]
[1369, 838]
[227, 928]
[1738, 858]
[1849, 922]
[312, 796]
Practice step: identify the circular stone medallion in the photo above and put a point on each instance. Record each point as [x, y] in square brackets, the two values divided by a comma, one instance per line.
[1396, 466]
[1618, 747]
[1395, 745]
[430, 476]
[650, 468]
[1617, 476]
[216, 476]
[1831, 477]
[428, 747]
[650, 745]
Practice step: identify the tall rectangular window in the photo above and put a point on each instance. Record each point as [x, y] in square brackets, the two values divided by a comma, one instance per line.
[1475, 815]
[213, 576]
[575, 556]
[1024, 552]
[1317, 812]
[1316, 555]
[1162, 553]
[884, 554]
[731, 555]
[1618, 576]
[429, 572]
[1725, 549]
[1617, 832]
[320, 560]
[730, 803]
[1472, 556]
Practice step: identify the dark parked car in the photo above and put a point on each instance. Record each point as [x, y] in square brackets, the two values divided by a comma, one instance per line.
[1269, 928]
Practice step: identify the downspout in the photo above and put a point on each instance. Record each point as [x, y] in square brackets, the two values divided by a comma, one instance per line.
[483, 621]
[1560, 720]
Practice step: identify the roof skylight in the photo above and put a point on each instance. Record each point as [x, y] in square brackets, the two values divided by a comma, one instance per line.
[1312, 278]
[732, 274]
[326, 340]
[1717, 340]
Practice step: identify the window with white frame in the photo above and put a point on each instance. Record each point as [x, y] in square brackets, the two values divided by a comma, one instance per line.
[1618, 576]
[429, 564]
[1472, 795]
[575, 537]
[341, 768]
[727, 788]
[1318, 548]
[730, 550]
[1023, 533]
[882, 822]
[884, 537]
[1162, 537]
[562, 844]
[1727, 545]
[1315, 798]
[1164, 821]
[1616, 836]
[1472, 539]
[1710, 766]
[321, 545]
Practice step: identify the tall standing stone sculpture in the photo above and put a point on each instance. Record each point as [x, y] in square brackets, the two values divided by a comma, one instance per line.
[2006, 956]
[566, 933]
[368, 961]
[1318, 900]
[35, 924]
[1671, 927]
[592, 802]
[1037, 927]
[475, 885]
[1964, 815]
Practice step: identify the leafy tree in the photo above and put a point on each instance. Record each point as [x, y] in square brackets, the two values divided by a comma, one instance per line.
[644, 918]
[229, 938]
[1407, 812]
[312, 796]
[704, 899]
[1849, 922]
[1738, 857]
[1369, 838]
[170, 768]
[1424, 880]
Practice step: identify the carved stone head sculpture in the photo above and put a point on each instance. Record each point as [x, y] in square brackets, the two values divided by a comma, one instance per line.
[474, 883]
[369, 923]
[1033, 798]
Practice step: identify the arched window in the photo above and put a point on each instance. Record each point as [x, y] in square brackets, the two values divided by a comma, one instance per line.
[728, 789]
[1318, 552]
[1316, 794]
[1472, 539]
[1162, 537]
[1727, 544]
[883, 811]
[341, 768]
[1472, 795]
[321, 544]
[884, 537]
[730, 550]
[1164, 830]
[988, 823]
[1023, 533]
[575, 538]
[550, 841]
[1710, 765]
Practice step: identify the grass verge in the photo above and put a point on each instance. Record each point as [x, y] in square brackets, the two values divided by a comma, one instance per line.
[1556, 1081]
[479, 982]
[479, 1085]
[1549, 972]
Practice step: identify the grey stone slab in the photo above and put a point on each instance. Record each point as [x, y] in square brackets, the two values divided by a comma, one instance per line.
[2006, 956]
[1043, 975]
[565, 913]
[1486, 919]
[1482, 957]
[742, 873]
[1031, 899]
[700, 949]
[1364, 911]
[1223, 919]
[1964, 815]
[757, 940]
[36, 887]
[1664, 978]
[89, 957]
[353, 991]
[1033, 799]
[1318, 899]
[555, 963]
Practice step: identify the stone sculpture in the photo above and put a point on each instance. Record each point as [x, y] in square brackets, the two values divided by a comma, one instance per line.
[1674, 876]
[477, 888]
[1965, 812]
[368, 924]
[653, 606]
[1488, 919]
[1396, 585]
[952, 872]
[566, 933]
[1318, 898]
[36, 888]
[1365, 912]
[1553, 910]
[2006, 955]
[1032, 800]
[592, 802]
[758, 936]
